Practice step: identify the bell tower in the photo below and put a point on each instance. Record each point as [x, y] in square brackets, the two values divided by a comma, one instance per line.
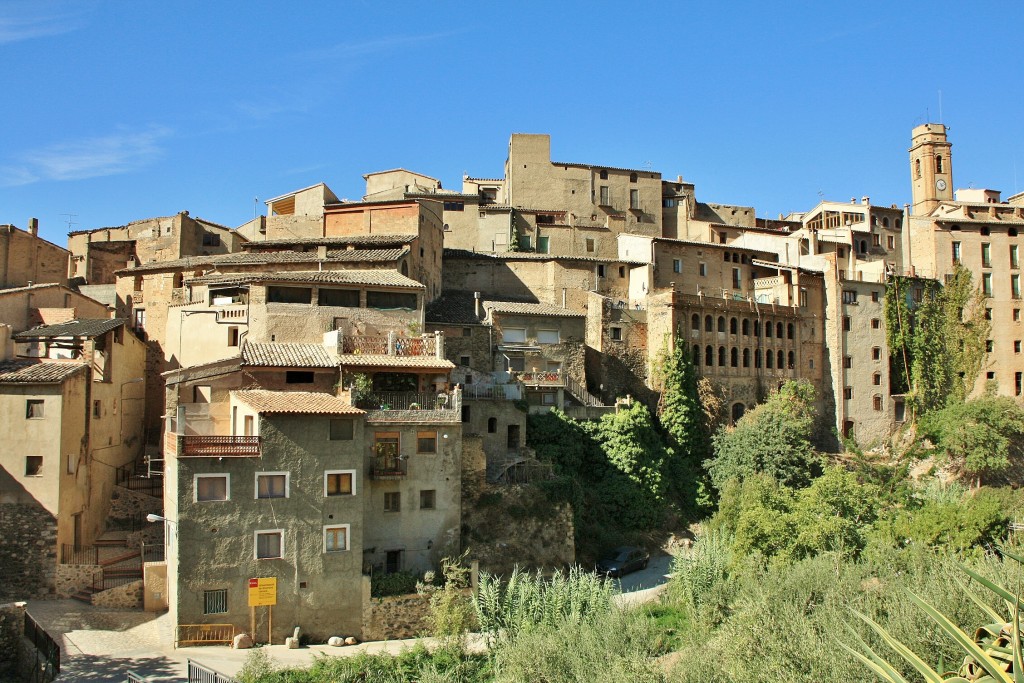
[931, 168]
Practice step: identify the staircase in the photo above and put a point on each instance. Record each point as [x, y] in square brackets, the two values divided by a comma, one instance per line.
[580, 393]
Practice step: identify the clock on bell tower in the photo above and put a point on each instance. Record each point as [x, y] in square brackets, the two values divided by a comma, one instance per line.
[931, 168]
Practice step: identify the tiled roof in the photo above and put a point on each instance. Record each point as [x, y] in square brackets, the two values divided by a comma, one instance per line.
[268, 258]
[376, 202]
[288, 355]
[289, 194]
[355, 240]
[570, 164]
[34, 372]
[520, 308]
[28, 288]
[532, 256]
[382, 278]
[454, 308]
[73, 328]
[384, 361]
[295, 402]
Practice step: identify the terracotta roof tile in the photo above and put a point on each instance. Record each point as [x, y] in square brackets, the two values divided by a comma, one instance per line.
[73, 328]
[519, 308]
[354, 240]
[295, 402]
[382, 278]
[33, 372]
[288, 355]
[269, 258]
[384, 361]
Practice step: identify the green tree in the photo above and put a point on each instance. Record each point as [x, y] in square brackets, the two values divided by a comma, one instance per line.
[774, 438]
[634, 448]
[682, 415]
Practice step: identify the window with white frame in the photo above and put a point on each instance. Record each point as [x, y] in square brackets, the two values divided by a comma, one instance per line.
[211, 487]
[336, 538]
[340, 483]
[272, 484]
[513, 335]
[269, 544]
[548, 337]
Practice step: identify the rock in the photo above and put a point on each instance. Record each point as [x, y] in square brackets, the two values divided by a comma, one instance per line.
[335, 641]
[242, 642]
[351, 641]
[291, 643]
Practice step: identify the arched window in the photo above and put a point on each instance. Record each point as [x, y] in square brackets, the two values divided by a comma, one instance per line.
[792, 360]
[721, 324]
[790, 329]
[696, 355]
[768, 328]
[899, 223]
[746, 358]
[604, 174]
[737, 411]
[179, 278]
[782, 360]
[492, 425]
[757, 328]
[778, 330]
[405, 268]
[746, 327]
[757, 358]
[769, 359]
[721, 356]
[709, 324]
[709, 356]
[885, 221]
[695, 323]
[734, 357]
[938, 163]
[734, 325]
[917, 169]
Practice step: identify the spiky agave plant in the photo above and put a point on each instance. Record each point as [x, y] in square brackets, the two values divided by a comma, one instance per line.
[992, 655]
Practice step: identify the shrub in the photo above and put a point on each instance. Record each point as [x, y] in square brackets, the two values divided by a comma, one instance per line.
[395, 583]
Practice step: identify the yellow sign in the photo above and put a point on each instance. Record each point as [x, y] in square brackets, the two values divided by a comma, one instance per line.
[262, 592]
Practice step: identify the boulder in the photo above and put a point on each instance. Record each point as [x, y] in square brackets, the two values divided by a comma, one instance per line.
[291, 643]
[335, 641]
[242, 642]
[351, 641]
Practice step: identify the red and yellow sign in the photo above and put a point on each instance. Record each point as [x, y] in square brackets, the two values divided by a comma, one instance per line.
[262, 592]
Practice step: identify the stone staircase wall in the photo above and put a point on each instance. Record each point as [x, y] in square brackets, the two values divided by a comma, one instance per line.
[72, 578]
[128, 596]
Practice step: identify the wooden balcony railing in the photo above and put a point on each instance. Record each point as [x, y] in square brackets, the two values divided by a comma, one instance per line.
[220, 447]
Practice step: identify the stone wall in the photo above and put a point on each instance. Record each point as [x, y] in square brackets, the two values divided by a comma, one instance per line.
[128, 596]
[28, 552]
[395, 617]
[12, 626]
[125, 503]
[71, 578]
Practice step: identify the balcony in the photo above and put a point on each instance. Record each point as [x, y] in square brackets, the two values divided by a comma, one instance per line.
[392, 344]
[389, 467]
[411, 401]
[233, 314]
[219, 447]
[539, 378]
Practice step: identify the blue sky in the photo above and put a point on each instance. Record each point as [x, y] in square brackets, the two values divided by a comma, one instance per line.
[116, 110]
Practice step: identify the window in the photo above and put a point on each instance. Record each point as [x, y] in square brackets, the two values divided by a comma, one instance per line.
[848, 393]
[622, 271]
[548, 337]
[792, 360]
[695, 322]
[734, 357]
[298, 377]
[668, 203]
[986, 255]
[211, 240]
[426, 442]
[876, 240]
[847, 362]
[709, 356]
[737, 278]
[917, 169]
[604, 175]
[427, 499]
[677, 265]
[956, 252]
[709, 324]
[454, 206]
[342, 429]
[1017, 377]
[513, 335]
[600, 270]
[391, 300]
[746, 358]
[988, 346]
[986, 284]
[874, 297]
[938, 163]
[269, 544]
[849, 296]
[746, 327]
[336, 538]
[876, 353]
[215, 602]
[769, 359]
[211, 487]
[392, 501]
[768, 329]
[272, 484]
[1016, 315]
[723, 237]
[616, 334]
[289, 295]
[492, 425]
[721, 324]
[890, 242]
[734, 326]
[1015, 286]
[1014, 259]
[339, 483]
[757, 358]
[1016, 346]
[876, 379]
[348, 298]
[97, 409]
[847, 325]
[233, 336]
[34, 409]
[721, 356]
[589, 243]
[464, 361]
[634, 199]
[542, 244]
[605, 196]
[876, 323]
[33, 466]
[139, 324]
[876, 402]
[702, 269]
[467, 332]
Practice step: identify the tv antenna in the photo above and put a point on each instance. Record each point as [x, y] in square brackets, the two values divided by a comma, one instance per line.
[255, 206]
[71, 222]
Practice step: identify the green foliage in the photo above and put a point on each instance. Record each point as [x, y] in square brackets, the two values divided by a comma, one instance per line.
[395, 583]
[937, 345]
[979, 436]
[697, 574]
[774, 438]
[633, 448]
[451, 609]
[505, 610]
[681, 414]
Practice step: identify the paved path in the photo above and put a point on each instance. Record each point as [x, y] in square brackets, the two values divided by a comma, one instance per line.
[100, 645]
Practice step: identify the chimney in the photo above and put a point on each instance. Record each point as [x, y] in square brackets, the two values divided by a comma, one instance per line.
[865, 200]
[476, 304]
[321, 252]
[853, 200]
[33, 227]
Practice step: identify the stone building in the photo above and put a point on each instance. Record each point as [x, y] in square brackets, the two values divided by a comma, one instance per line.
[43, 304]
[26, 258]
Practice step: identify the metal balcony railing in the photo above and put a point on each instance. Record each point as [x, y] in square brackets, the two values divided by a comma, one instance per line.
[410, 400]
[389, 467]
[220, 447]
[391, 344]
[540, 378]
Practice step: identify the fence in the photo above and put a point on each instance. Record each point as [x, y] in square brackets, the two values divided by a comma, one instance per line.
[47, 649]
[406, 400]
[197, 673]
[126, 478]
[69, 554]
[204, 634]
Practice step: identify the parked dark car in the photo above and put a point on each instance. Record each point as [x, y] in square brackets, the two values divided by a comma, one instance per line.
[622, 561]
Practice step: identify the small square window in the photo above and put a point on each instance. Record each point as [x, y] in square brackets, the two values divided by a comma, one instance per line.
[97, 409]
[547, 399]
[33, 466]
[990, 375]
[269, 544]
[215, 602]
[464, 360]
[848, 393]
[616, 334]
[392, 501]
[339, 483]
[876, 379]
[876, 323]
[876, 353]
[34, 409]
[271, 484]
[847, 362]
[336, 538]
[298, 377]
[467, 332]
[1016, 346]
[426, 442]
[427, 499]
[342, 429]
[874, 297]
[847, 325]
[211, 487]
[849, 296]
[988, 346]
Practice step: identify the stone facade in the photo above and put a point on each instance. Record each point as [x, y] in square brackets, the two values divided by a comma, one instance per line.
[128, 596]
[395, 617]
[28, 552]
[26, 258]
[71, 578]
[12, 628]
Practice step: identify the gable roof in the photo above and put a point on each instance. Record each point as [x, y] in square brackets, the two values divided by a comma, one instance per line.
[522, 308]
[288, 355]
[333, 240]
[38, 372]
[259, 258]
[380, 278]
[73, 328]
[295, 402]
